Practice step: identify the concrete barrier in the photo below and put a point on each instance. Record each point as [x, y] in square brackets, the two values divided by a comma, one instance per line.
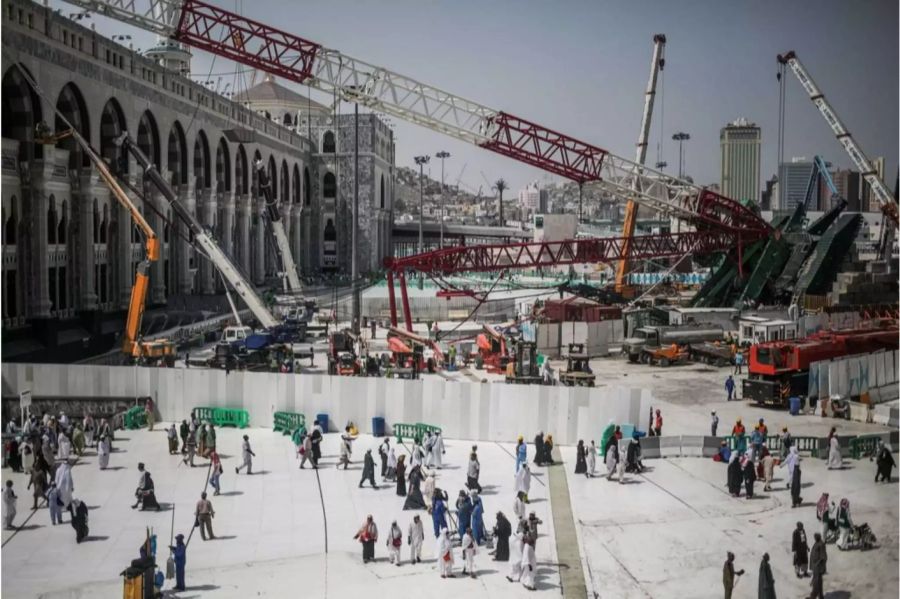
[711, 446]
[472, 411]
[669, 446]
[692, 446]
[650, 447]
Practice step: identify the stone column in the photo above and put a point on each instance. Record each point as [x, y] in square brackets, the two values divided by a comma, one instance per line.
[38, 300]
[259, 244]
[83, 194]
[242, 231]
[185, 277]
[157, 268]
[207, 215]
[297, 239]
[124, 271]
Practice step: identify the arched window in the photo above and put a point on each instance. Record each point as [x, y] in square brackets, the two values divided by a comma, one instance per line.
[223, 167]
[63, 222]
[240, 170]
[71, 105]
[201, 161]
[273, 177]
[11, 225]
[104, 225]
[51, 221]
[287, 120]
[96, 222]
[285, 182]
[112, 124]
[329, 186]
[382, 191]
[177, 155]
[328, 143]
[21, 112]
[296, 185]
[307, 192]
[148, 138]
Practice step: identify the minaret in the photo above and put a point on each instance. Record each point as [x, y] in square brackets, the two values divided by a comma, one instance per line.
[171, 55]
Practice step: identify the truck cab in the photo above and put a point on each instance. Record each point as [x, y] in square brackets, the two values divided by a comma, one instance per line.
[643, 337]
[234, 334]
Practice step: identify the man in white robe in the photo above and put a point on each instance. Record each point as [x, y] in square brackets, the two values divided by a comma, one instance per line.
[65, 447]
[469, 550]
[103, 452]
[611, 455]
[529, 564]
[523, 481]
[515, 558]
[591, 460]
[835, 460]
[445, 554]
[415, 539]
[394, 542]
[428, 446]
[437, 450]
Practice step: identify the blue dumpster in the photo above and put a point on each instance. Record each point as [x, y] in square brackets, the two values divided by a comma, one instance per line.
[323, 421]
[377, 426]
[794, 403]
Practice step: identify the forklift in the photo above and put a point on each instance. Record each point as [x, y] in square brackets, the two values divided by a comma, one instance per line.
[578, 372]
[525, 368]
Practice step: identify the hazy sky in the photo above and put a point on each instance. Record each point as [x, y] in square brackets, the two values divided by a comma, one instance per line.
[581, 66]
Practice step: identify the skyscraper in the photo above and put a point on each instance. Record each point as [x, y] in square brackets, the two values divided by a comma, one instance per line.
[848, 186]
[793, 179]
[740, 142]
[869, 204]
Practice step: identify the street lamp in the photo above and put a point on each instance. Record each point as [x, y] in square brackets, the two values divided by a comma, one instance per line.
[421, 161]
[681, 137]
[442, 155]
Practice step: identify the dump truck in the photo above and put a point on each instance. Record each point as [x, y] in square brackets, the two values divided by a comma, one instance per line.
[653, 337]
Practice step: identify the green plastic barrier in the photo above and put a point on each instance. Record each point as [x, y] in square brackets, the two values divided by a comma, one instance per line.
[410, 431]
[427, 428]
[224, 416]
[135, 418]
[288, 422]
[863, 445]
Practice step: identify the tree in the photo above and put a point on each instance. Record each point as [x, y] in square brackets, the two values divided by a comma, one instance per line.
[501, 186]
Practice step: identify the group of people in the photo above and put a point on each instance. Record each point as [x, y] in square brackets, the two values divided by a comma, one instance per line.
[618, 460]
[748, 463]
[46, 449]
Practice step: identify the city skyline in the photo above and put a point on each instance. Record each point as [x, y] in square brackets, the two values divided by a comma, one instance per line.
[608, 68]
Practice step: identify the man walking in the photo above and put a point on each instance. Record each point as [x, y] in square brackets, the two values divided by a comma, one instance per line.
[383, 450]
[738, 362]
[766, 580]
[728, 575]
[248, 457]
[368, 473]
[367, 536]
[714, 424]
[306, 451]
[179, 553]
[801, 551]
[9, 503]
[183, 432]
[204, 514]
[817, 562]
[729, 386]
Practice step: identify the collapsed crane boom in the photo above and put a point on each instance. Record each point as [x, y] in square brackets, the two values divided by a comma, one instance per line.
[273, 214]
[881, 192]
[201, 239]
[255, 44]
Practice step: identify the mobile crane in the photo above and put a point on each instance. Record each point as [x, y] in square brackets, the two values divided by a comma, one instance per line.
[631, 208]
[870, 175]
[140, 350]
[291, 280]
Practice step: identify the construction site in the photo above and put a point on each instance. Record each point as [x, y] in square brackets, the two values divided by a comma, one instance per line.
[175, 252]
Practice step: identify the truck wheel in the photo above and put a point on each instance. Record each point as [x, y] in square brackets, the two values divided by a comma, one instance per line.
[645, 359]
[632, 358]
[664, 362]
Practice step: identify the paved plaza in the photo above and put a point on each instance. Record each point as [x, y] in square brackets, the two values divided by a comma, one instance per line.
[663, 534]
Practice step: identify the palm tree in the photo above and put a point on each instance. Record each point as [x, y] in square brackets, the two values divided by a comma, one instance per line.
[501, 186]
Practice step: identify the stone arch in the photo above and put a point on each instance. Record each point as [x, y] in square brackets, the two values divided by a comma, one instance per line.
[285, 182]
[21, 112]
[223, 166]
[296, 185]
[71, 104]
[240, 170]
[201, 161]
[329, 186]
[254, 176]
[112, 125]
[273, 177]
[328, 144]
[148, 137]
[177, 159]
[307, 188]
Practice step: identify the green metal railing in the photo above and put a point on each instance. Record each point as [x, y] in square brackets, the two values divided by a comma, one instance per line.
[410, 431]
[289, 422]
[773, 443]
[224, 416]
[863, 445]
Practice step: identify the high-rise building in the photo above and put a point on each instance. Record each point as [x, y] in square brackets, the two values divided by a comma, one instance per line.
[868, 204]
[740, 142]
[848, 186]
[793, 179]
[533, 199]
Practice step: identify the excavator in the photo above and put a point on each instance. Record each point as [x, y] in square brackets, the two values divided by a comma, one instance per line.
[150, 351]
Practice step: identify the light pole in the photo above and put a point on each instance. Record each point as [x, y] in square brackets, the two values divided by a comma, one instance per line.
[442, 155]
[681, 137]
[354, 262]
[421, 161]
